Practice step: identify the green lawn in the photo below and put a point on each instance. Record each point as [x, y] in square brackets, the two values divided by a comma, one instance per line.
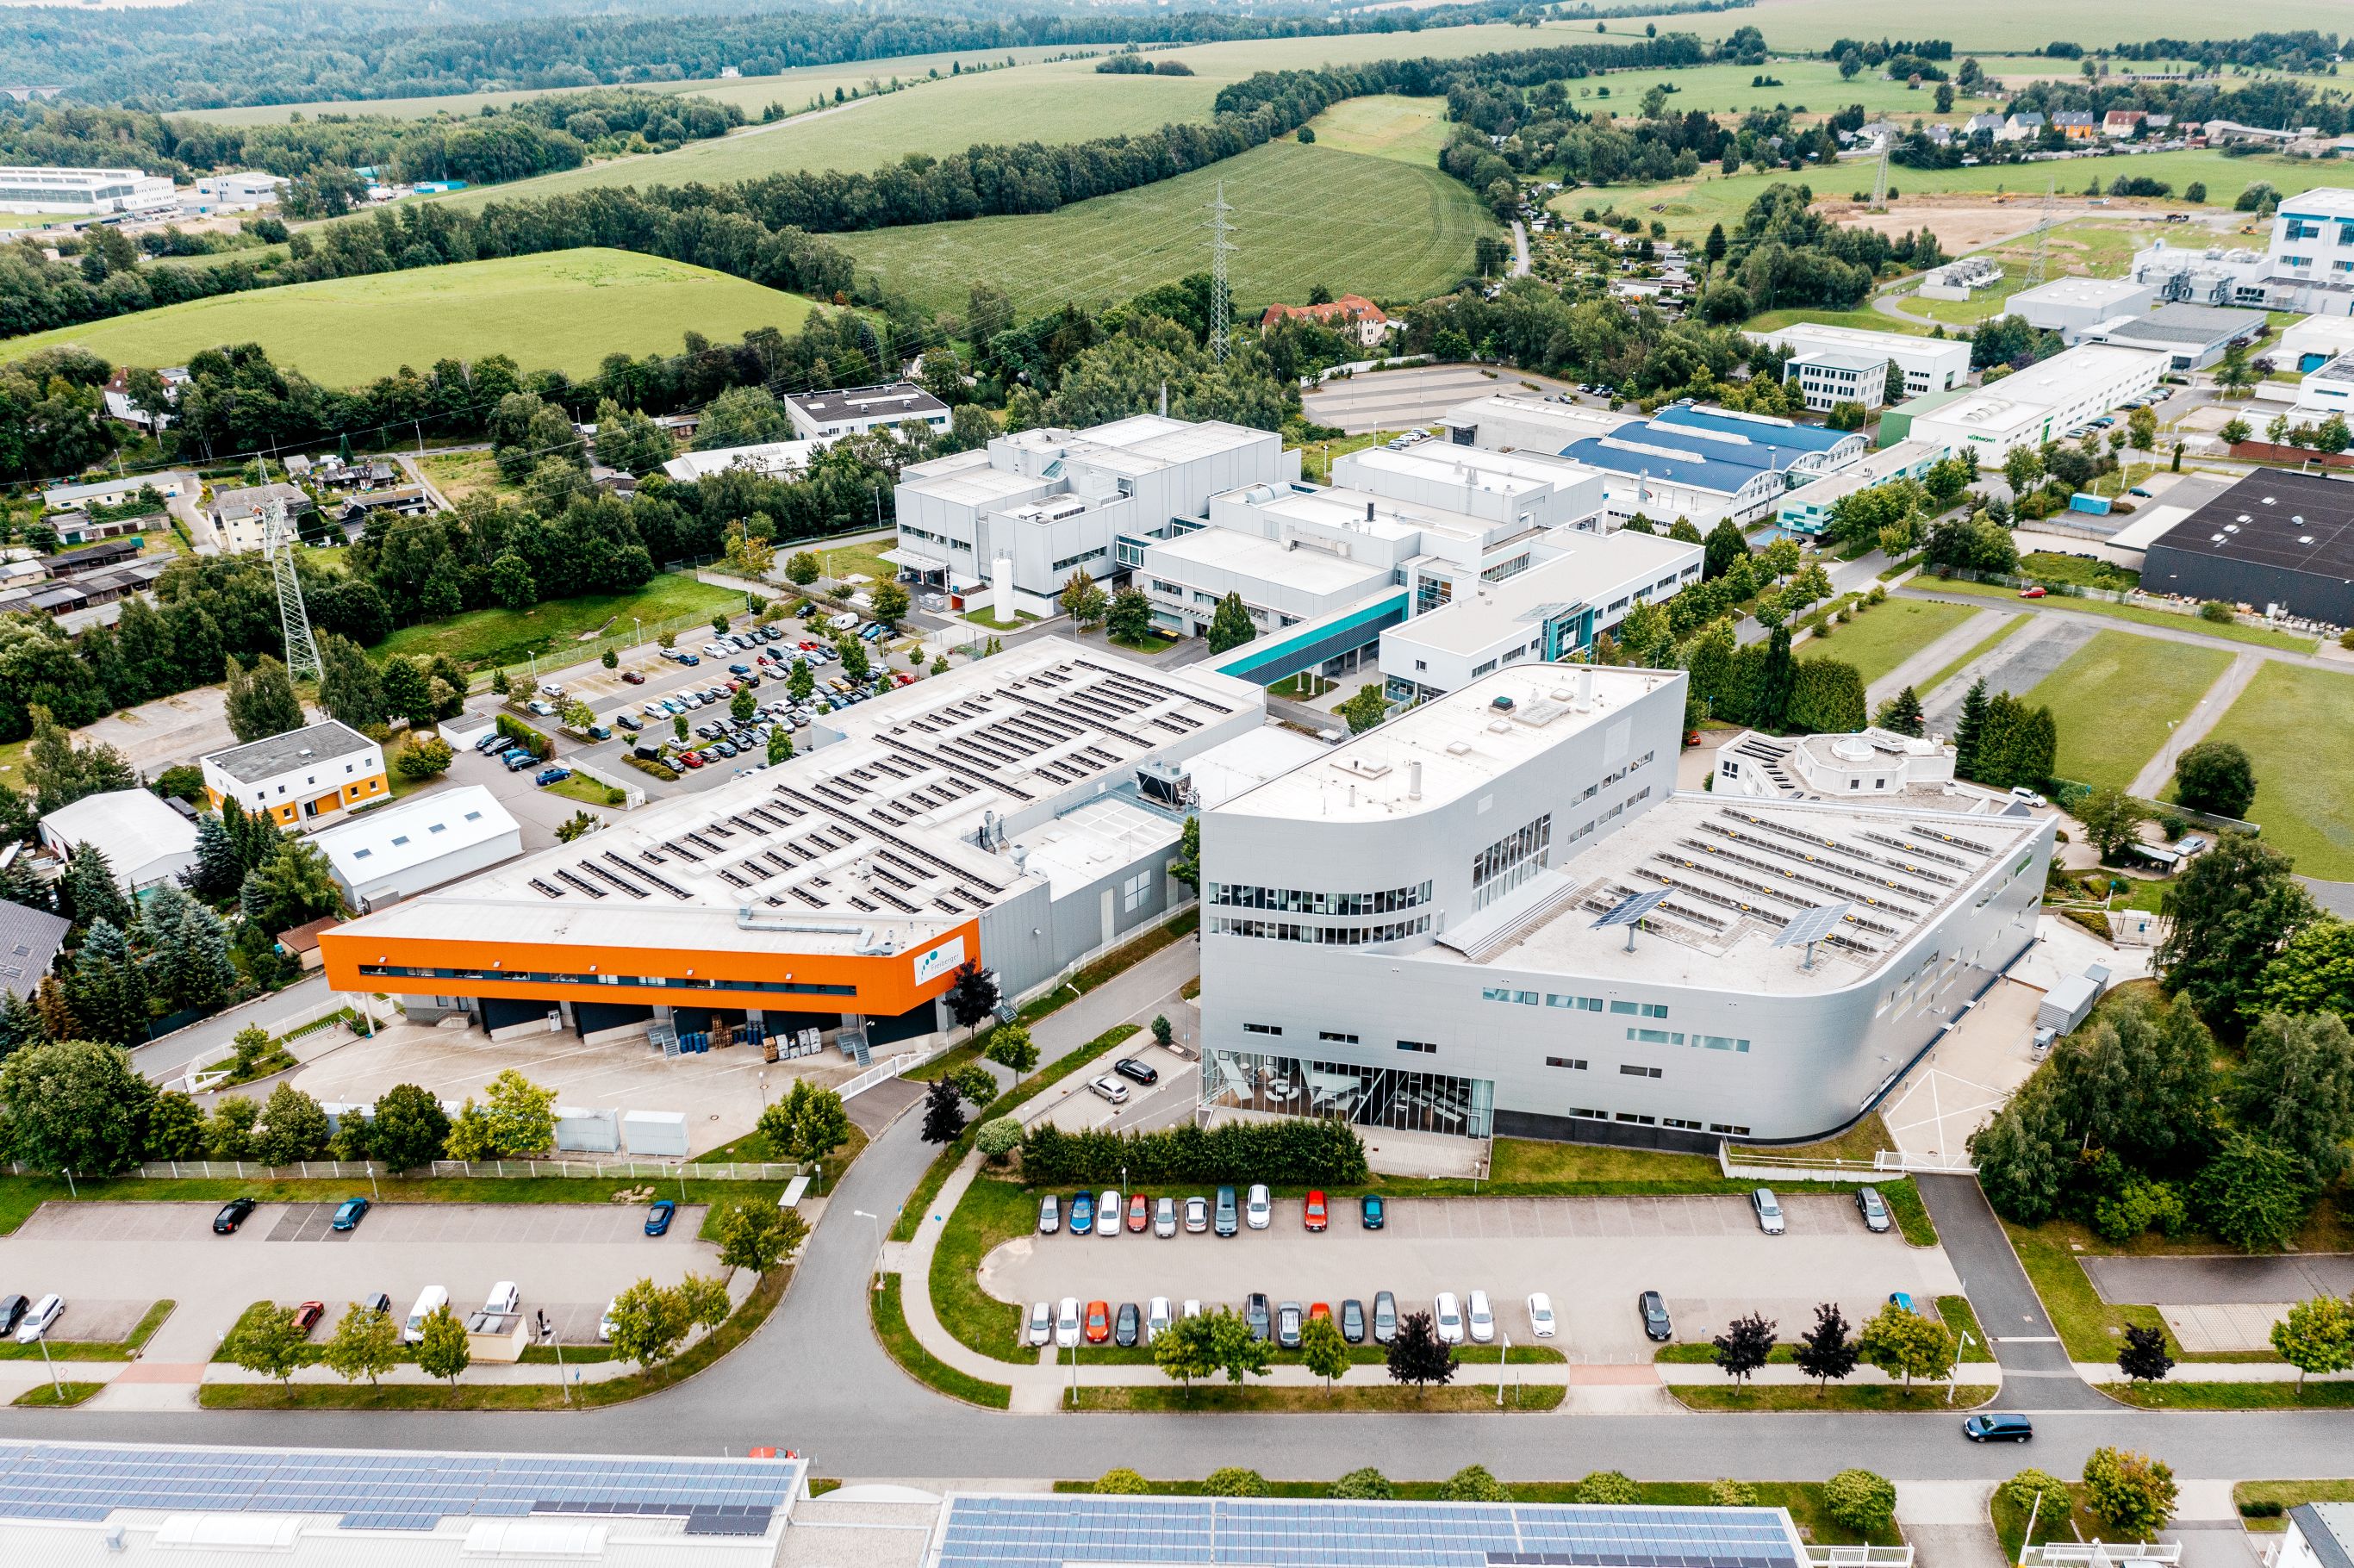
[2079, 571]
[564, 311]
[1885, 635]
[458, 475]
[1987, 26]
[2228, 632]
[1409, 130]
[2089, 248]
[2297, 725]
[482, 636]
[1303, 216]
[2116, 697]
[1864, 320]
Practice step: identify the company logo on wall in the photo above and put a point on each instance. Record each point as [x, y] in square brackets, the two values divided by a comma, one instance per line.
[940, 961]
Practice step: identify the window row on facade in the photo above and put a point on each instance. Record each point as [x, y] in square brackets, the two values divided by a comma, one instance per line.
[1302, 900]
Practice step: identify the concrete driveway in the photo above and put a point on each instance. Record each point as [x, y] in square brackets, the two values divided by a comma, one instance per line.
[1171, 1100]
[569, 1258]
[1592, 1256]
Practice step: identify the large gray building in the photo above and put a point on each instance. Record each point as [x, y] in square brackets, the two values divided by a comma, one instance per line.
[2277, 540]
[1403, 932]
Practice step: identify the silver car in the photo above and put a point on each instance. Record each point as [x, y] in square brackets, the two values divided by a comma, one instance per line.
[1769, 1209]
[1164, 1218]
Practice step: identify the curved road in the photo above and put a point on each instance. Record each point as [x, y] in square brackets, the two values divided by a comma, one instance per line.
[815, 1380]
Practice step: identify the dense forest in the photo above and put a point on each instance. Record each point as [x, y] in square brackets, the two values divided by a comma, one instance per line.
[221, 52]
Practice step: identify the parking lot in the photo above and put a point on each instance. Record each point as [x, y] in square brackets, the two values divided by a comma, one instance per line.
[1592, 1256]
[1165, 1103]
[569, 1259]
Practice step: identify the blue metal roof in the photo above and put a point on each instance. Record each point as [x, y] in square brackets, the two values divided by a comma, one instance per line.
[1046, 1532]
[1703, 471]
[1786, 437]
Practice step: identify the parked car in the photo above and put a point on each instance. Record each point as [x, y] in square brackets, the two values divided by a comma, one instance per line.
[1998, 1427]
[632, 678]
[12, 1311]
[1385, 1317]
[659, 1216]
[307, 1316]
[1227, 1225]
[1288, 1321]
[1164, 1218]
[1768, 1210]
[1370, 1213]
[1874, 1209]
[1041, 1325]
[1157, 1318]
[1654, 1309]
[433, 1297]
[1256, 1313]
[600, 732]
[1128, 1328]
[2033, 590]
[1136, 1071]
[1139, 1212]
[517, 761]
[605, 1323]
[1482, 1320]
[690, 660]
[1098, 1324]
[2021, 792]
[715, 649]
[1901, 1299]
[1352, 1321]
[627, 722]
[1541, 1320]
[1066, 1323]
[349, 1213]
[1108, 1215]
[739, 669]
[232, 1214]
[552, 776]
[1082, 1214]
[1448, 1318]
[1050, 1214]
[1260, 1210]
[1313, 1213]
[504, 1297]
[1111, 1090]
[375, 1301]
[1197, 1215]
[490, 741]
[543, 709]
[40, 1317]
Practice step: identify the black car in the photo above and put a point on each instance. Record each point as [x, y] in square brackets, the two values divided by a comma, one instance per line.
[1998, 1428]
[11, 1308]
[1256, 1313]
[1352, 1321]
[1128, 1327]
[232, 1215]
[1136, 1071]
[1654, 1308]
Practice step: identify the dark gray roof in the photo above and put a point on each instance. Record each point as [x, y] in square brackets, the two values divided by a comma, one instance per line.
[276, 754]
[2295, 521]
[898, 400]
[2200, 325]
[30, 938]
[2314, 1526]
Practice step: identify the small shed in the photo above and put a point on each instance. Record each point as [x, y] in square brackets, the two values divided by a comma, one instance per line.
[655, 1133]
[301, 942]
[579, 1130]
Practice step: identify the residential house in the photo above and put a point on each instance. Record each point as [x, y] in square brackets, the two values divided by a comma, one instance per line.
[2122, 124]
[2077, 125]
[2023, 127]
[30, 940]
[301, 775]
[240, 517]
[1349, 314]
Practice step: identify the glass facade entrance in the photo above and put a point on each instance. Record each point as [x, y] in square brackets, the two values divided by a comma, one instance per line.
[1401, 1099]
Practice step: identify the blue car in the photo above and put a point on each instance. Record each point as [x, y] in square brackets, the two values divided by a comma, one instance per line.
[1899, 1299]
[690, 660]
[553, 776]
[1082, 1214]
[1369, 1213]
[349, 1213]
[658, 1218]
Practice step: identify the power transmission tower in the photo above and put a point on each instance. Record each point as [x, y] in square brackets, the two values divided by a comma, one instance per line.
[2042, 227]
[1880, 179]
[1219, 248]
[279, 541]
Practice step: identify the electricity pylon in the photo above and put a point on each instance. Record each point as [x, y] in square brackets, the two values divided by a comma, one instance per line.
[1219, 248]
[279, 541]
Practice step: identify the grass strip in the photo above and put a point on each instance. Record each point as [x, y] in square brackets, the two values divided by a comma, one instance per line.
[93, 1350]
[1962, 1319]
[2230, 632]
[2231, 1395]
[1985, 645]
[2090, 1328]
[1880, 1396]
[1464, 1399]
[899, 1343]
[2263, 1505]
[56, 1396]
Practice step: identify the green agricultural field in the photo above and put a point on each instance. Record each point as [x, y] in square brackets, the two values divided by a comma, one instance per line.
[1303, 215]
[484, 636]
[549, 311]
[1886, 635]
[1409, 130]
[2116, 697]
[1984, 28]
[1688, 207]
[2296, 724]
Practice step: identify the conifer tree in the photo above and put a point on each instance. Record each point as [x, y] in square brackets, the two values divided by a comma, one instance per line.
[219, 867]
[1968, 729]
[105, 988]
[90, 891]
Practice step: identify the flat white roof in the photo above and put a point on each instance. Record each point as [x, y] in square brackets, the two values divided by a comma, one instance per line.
[2072, 373]
[1461, 740]
[2331, 200]
[1307, 570]
[399, 838]
[133, 828]
[1502, 473]
[1826, 335]
[2100, 292]
[1247, 761]
[1589, 567]
[1091, 841]
[1574, 421]
[766, 457]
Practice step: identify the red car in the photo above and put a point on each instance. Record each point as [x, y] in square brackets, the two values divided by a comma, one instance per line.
[1098, 1327]
[1317, 1216]
[1319, 1309]
[1139, 1212]
[307, 1316]
[2032, 592]
[631, 678]
[692, 758]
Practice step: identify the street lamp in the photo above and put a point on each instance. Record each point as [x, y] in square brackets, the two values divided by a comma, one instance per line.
[55, 1386]
[879, 1243]
[547, 1337]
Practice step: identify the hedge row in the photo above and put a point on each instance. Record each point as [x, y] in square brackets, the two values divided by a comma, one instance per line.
[530, 739]
[1293, 1153]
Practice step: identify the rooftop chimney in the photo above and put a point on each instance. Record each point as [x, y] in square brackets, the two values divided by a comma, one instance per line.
[1585, 687]
[1369, 511]
[1414, 780]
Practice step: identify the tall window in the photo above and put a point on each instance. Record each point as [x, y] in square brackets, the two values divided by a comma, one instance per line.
[1510, 860]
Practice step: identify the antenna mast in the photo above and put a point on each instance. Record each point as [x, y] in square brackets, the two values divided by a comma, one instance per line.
[1219, 248]
[277, 541]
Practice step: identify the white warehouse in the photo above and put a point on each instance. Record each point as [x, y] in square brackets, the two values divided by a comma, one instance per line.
[398, 852]
[94, 191]
[2042, 403]
[1403, 932]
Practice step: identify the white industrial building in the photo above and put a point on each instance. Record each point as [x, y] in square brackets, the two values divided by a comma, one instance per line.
[1542, 615]
[2192, 337]
[1809, 509]
[144, 838]
[2326, 391]
[854, 411]
[92, 192]
[772, 460]
[1508, 421]
[1020, 515]
[1962, 278]
[2068, 306]
[1877, 764]
[1523, 489]
[1711, 465]
[1407, 931]
[2042, 403]
[1835, 364]
[2307, 262]
[2313, 342]
[1281, 583]
[396, 852]
[2216, 275]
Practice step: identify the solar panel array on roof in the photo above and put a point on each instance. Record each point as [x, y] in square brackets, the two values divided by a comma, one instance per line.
[1046, 1532]
[70, 1481]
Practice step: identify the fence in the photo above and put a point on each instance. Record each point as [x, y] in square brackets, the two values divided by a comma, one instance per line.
[365, 1013]
[2099, 1554]
[1753, 1164]
[2134, 597]
[885, 1071]
[1859, 1556]
[485, 1169]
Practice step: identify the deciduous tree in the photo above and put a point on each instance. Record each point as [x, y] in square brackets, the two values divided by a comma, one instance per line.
[2215, 776]
[366, 1343]
[265, 1340]
[1825, 1352]
[262, 701]
[2131, 1493]
[442, 1350]
[943, 1112]
[75, 1104]
[410, 1127]
[2316, 1336]
[1418, 1355]
[2230, 912]
[1906, 1344]
[1745, 1346]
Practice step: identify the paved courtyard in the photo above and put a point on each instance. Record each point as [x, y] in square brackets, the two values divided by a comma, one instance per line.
[1593, 1256]
[2221, 1302]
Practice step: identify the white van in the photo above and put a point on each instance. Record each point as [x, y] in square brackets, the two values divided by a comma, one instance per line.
[429, 1301]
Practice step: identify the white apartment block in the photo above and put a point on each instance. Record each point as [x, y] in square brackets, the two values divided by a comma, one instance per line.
[2043, 402]
[854, 411]
[1847, 364]
[83, 191]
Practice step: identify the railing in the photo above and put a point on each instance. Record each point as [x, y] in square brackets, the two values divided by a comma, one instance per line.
[2099, 1554]
[499, 1170]
[1762, 1165]
[369, 1009]
[889, 1068]
[1859, 1556]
